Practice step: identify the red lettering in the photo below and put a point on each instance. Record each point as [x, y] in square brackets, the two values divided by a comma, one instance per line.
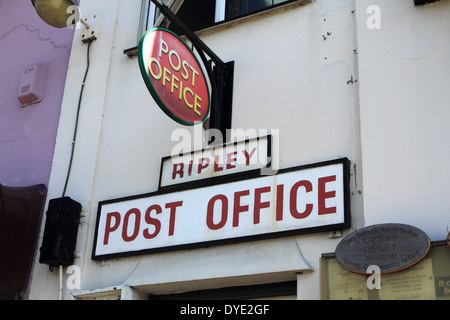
[137, 224]
[323, 195]
[109, 228]
[258, 204]
[293, 200]
[178, 168]
[230, 160]
[280, 199]
[203, 164]
[191, 163]
[173, 208]
[216, 165]
[248, 156]
[301, 206]
[210, 212]
[237, 208]
[154, 222]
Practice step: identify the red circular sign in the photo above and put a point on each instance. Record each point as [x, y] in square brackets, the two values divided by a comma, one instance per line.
[174, 76]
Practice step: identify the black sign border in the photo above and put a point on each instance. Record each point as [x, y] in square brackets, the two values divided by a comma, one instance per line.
[211, 182]
[242, 175]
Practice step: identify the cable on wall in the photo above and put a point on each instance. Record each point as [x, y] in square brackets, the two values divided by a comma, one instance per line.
[78, 116]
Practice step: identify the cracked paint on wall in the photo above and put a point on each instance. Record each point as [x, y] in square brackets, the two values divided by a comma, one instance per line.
[27, 135]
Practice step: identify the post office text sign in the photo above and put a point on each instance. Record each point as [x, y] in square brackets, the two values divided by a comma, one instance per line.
[297, 200]
[174, 76]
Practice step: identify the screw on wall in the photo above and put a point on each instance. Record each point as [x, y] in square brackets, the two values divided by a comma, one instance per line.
[352, 81]
[328, 34]
[335, 234]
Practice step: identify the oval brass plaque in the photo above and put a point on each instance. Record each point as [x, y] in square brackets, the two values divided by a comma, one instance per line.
[391, 247]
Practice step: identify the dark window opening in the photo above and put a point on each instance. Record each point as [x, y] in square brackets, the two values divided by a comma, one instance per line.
[423, 2]
[235, 293]
[200, 14]
[237, 8]
[197, 14]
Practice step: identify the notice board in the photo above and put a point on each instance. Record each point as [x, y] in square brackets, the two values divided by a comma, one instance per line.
[427, 280]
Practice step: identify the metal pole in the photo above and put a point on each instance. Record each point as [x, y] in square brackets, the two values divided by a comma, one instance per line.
[196, 41]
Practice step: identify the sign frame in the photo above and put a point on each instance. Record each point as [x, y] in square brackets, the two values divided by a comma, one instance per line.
[251, 173]
[154, 93]
[345, 224]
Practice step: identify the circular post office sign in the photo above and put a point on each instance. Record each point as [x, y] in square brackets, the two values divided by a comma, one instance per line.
[391, 247]
[174, 76]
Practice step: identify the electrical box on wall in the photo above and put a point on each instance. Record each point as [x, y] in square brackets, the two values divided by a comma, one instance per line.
[60, 233]
[31, 88]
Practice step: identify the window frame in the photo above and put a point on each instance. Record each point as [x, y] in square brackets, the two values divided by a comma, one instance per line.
[149, 10]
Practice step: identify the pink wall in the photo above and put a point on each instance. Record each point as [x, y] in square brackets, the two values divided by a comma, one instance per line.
[27, 135]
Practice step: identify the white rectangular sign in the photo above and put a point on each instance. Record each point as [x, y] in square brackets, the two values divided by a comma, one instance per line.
[216, 161]
[297, 200]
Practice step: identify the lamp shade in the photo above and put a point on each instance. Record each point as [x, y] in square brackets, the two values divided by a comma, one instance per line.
[54, 12]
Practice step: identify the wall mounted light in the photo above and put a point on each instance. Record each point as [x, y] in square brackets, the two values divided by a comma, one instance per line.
[54, 12]
[64, 14]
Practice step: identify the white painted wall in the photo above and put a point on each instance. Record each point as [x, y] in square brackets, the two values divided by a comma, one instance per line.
[404, 91]
[315, 73]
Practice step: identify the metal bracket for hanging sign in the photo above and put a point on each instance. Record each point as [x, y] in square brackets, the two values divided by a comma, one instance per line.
[220, 73]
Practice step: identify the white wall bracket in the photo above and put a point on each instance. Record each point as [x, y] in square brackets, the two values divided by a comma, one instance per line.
[90, 29]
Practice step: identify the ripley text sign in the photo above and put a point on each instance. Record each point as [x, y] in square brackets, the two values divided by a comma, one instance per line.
[228, 159]
[173, 76]
[392, 247]
[298, 200]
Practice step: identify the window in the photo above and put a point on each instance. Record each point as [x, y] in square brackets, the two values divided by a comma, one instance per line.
[237, 8]
[199, 14]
